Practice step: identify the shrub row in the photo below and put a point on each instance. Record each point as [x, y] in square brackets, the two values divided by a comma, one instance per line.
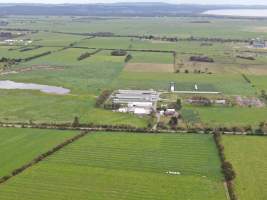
[201, 59]
[41, 157]
[246, 78]
[202, 128]
[37, 56]
[88, 54]
[169, 39]
[128, 58]
[10, 60]
[119, 52]
[246, 57]
[30, 48]
[197, 128]
[102, 97]
[226, 166]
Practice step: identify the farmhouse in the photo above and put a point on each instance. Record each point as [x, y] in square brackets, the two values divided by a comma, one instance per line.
[258, 43]
[139, 102]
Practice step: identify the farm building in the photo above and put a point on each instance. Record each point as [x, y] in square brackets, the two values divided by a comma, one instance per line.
[139, 102]
[129, 96]
[258, 43]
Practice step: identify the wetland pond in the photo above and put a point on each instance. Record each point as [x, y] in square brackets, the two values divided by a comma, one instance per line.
[11, 85]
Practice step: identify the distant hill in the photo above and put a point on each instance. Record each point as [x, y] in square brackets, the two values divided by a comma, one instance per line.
[116, 9]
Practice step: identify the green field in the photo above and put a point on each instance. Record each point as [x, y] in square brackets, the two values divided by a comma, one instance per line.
[227, 116]
[6, 52]
[67, 38]
[229, 85]
[248, 156]
[170, 26]
[120, 166]
[20, 146]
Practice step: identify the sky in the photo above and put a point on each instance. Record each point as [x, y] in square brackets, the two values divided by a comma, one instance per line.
[245, 2]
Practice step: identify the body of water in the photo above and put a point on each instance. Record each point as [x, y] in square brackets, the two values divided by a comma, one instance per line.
[9, 85]
[238, 12]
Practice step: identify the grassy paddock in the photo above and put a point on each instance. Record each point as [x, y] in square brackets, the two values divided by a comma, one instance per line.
[39, 108]
[248, 156]
[125, 166]
[19, 146]
[226, 116]
[227, 84]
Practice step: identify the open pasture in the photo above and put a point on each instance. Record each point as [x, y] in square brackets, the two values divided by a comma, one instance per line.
[260, 82]
[20, 146]
[14, 51]
[90, 75]
[227, 116]
[67, 57]
[87, 78]
[227, 84]
[46, 38]
[248, 156]
[121, 166]
[41, 108]
[169, 26]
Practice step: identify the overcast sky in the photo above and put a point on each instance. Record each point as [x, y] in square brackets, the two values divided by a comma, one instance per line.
[246, 2]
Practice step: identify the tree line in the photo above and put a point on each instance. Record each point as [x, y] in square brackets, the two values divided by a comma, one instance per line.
[226, 166]
[88, 54]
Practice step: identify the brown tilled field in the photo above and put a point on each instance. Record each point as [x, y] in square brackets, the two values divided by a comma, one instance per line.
[149, 67]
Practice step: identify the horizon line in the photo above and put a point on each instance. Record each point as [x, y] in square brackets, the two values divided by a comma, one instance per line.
[137, 2]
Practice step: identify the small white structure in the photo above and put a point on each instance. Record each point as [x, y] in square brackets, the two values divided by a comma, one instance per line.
[142, 111]
[173, 173]
[172, 86]
[123, 110]
[170, 112]
[220, 101]
[196, 87]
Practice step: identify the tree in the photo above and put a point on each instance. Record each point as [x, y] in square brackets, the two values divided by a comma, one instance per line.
[228, 171]
[263, 127]
[128, 58]
[173, 121]
[178, 104]
[75, 122]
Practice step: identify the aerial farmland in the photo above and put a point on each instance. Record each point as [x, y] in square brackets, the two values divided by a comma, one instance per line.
[125, 107]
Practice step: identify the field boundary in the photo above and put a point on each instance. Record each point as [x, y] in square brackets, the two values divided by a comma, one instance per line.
[227, 168]
[41, 157]
[130, 129]
[154, 37]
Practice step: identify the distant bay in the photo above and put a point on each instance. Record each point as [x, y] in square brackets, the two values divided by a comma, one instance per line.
[238, 12]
